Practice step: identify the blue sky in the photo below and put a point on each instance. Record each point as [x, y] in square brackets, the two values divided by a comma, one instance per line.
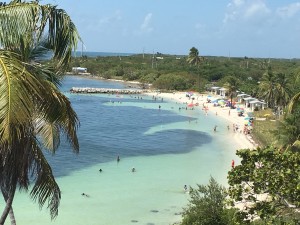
[252, 28]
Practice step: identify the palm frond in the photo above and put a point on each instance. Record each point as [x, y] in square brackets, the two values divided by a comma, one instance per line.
[62, 33]
[294, 101]
[17, 88]
[17, 19]
[29, 20]
[45, 188]
[49, 133]
[56, 110]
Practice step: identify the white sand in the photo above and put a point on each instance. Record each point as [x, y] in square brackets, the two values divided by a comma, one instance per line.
[242, 140]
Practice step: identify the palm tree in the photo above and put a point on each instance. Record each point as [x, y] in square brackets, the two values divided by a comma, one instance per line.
[232, 86]
[282, 91]
[33, 112]
[267, 88]
[195, 59]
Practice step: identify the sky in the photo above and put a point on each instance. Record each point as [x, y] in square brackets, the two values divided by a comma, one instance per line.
[235, 28]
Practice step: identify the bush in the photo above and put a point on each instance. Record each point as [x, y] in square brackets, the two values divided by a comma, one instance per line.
[207, 206]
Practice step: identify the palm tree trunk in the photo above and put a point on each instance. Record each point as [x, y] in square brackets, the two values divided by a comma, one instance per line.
[12, 216]
[8, 197]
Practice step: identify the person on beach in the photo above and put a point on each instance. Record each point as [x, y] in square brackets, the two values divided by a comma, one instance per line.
[232, 163]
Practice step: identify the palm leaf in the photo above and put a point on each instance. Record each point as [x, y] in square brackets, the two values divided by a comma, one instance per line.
[17, 88]
[29, 19]
[294, 101]
[57, 114]
[62, 33]
[17, 19]
[45, 188]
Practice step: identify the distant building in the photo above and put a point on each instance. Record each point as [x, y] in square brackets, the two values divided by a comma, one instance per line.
[77, 70]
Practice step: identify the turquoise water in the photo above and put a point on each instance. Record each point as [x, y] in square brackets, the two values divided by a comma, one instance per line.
[168, 147]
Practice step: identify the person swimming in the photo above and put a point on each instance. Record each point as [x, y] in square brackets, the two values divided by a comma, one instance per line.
[100, 170]
[185, 188]
[84, 194]
[133, 169]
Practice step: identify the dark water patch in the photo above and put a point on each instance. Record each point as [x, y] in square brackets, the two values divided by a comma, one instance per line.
[134, 221]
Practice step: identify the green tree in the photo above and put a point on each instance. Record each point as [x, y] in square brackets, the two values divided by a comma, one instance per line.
[232, 85]
[33, 111]
[282, 91]
[267, 88]
[196, 60]
[207, 206]
[268, 180]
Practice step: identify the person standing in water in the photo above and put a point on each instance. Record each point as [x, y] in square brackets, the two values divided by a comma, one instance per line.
[118, 159]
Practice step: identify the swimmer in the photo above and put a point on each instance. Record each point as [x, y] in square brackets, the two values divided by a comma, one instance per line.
[84, 194]
[118, 159]
[215, 128]
[133, 169]
[100, 170]
[185, 187]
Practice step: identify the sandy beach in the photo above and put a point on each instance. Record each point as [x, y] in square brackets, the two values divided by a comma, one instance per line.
[199, 101]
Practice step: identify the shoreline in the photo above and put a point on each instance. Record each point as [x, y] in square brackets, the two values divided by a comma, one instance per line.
[230, 115]
[242, 140]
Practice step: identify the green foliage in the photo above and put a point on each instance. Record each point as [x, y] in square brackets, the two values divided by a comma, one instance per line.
[268, 180]
[207, 206]
[172, 82]
[248, 71]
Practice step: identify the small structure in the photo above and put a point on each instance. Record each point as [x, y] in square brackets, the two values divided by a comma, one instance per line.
[78, 70]
[214, 90]
[257, 104]
[222, 91]
[247, 100]
[240, 97]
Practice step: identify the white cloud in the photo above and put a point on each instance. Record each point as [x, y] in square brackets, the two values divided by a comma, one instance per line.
[145, 27]
[246, 10]
[256, 9]
[116, 16]
[289, 10]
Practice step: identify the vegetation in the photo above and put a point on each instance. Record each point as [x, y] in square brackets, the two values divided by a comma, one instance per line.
[268, 181]
[33, 111]
[208, 206]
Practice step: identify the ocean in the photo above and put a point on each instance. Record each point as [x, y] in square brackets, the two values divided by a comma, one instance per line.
[168, 148]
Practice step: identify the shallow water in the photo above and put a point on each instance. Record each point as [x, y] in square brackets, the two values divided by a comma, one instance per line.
[168, 147]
